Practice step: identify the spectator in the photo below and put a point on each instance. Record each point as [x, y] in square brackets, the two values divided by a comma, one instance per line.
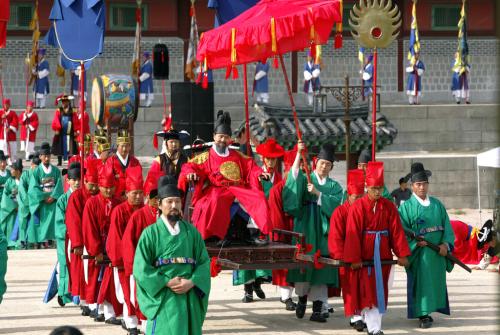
[402, 193]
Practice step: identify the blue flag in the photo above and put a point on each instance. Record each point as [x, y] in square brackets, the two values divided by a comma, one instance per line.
[52, 287]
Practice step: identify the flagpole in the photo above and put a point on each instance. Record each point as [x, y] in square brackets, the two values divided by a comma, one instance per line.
[82, 117]
[374, 105]
[247, 117]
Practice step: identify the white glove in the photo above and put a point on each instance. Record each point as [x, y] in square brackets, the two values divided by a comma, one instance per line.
[366, 76]
[409, 69]
[144, 76]
[420, 72]
[42, 74]
[307, 75]
[316, 73]
[260, 74]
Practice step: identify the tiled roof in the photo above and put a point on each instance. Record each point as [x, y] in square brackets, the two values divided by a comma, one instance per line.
[320, 128]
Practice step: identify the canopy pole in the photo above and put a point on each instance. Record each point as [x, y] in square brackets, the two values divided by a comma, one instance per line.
[295, 118]
[374, 105]
[478, 190]
[82, 111]
[247, 117]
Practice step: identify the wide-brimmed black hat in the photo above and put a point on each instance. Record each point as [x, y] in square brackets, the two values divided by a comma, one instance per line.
[18, 165]
[223, 123]
[327, 152]
[74, 170]
[419, 173]
[365, 156]
[485, 235]
[167, 187]
[35, 158]
[44, 149]
[2, 156]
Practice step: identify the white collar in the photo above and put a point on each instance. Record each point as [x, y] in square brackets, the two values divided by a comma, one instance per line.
[17, 181]
[123, 160]
[96, 154]
[426, 202]
[7, 112]
[3, 173]
[225, 154]
[173, 231]
[321, 181]
[46, 170]
[29, 114]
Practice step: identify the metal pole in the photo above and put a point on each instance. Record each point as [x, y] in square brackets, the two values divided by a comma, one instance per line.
[347, 121]
[82, 123]
[374, 105]
[247, 117]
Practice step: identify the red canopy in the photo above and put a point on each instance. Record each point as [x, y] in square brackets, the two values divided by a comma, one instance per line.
[4, 18]
[269, 28]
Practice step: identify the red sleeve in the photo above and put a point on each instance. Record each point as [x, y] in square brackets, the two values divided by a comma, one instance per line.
[14, 121]
[354, 234]
[74, 219]
[130, 239]
[276, 213]
[251, 173]
[56, 122]
[154, 173]
[113, 242]
[336, 235]
[34, 121]
[399, 243]
[90, 228]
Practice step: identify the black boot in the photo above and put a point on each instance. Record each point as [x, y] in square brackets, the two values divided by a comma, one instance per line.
[248, 293]
[317, 314]
[426, 321]
[60, 301]
[85, 310]
[358, 325]
[289, 304]
[300, 310]
[258, 289]
[254, 238]
[113, 321]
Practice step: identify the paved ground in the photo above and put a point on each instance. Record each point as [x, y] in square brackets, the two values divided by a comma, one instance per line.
[474, 301]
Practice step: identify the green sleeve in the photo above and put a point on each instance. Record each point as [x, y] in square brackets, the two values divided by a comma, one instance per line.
[58, 190]
[36, 194]
[387, 195]
[404, 214]
[7, 204]
[201, 274]
[148, 277]
[448, 234]
[60, 224]
[332, 199]
[293, 193]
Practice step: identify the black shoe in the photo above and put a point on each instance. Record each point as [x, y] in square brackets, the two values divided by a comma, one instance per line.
[289, 304]
[133, 331]
[99, 318]
[124, 326]
[60, 301]
[358, 325]
[300, 309]
[425, 321]
[458, 102]
[248, 297]
[254, 238]
[86, 311]
[377, 333]
[317, 316]
[467, 102]
[113, 321]
[258, 289]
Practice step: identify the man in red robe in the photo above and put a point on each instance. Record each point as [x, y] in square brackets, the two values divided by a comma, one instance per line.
[74, 215]
[139, 220]
[225, 175]
[336, 237]
[121, 161]
[28, 124]
[373, 233]
[119, 220]
[472, 244]
[8, 138]
[100, 289]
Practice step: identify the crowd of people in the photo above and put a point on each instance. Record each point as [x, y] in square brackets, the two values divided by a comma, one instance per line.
[137, 248]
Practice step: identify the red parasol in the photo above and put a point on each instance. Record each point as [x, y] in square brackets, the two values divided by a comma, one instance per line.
[268, 29]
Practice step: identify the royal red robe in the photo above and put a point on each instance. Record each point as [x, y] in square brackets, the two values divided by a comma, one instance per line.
[362, 221]
[28, 122]
[74, 215]
[349, 279]
[139, 220]
[96, 222]
[119, 219]
[222, 181]
[119, 170]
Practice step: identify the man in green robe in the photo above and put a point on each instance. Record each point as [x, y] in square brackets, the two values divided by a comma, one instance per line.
[426, 275]
[63, 294]
[45, 187]
[172, 269]
[9, 217]
[23, 201]
[4, 173]
[3, 264]
[311, 205]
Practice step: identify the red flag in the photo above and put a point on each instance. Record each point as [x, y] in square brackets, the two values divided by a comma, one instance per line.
[4, 18]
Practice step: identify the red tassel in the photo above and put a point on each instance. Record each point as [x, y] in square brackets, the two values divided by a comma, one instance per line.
[338, 41]
[191, 11]
[204, 84]
[317, 264]
[199, 78]
[235, 72]
[275, 62]
[214, 267]
[155, 141]
[228, 72]
[313, 51]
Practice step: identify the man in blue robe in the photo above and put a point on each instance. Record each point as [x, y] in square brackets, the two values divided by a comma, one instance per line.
[41, 71]
[311, 78]
[261, 83]
[146, 79]
[414, 84]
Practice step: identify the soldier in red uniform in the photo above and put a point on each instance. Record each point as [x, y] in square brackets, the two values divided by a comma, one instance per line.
[8, 138]
[373, 233]
[28, 121]
[336, 237]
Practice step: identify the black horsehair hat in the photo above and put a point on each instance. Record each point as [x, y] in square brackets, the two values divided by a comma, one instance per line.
[485, 235]
[2, 156]
[45, 149]
[365, 156]
[74, 171]
[327, 152]
[167, 187]
[18, 165]
[223, 123]
[418, 173]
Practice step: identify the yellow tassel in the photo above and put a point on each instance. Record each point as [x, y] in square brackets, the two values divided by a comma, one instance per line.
[205, 67]
[274, 47]
[233, 50]
[312, 33]
[339, 24]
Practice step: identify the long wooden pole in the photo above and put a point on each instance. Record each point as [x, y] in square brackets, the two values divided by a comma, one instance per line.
[82, 117]
[374, 105]
[247, 117]
[295, 118]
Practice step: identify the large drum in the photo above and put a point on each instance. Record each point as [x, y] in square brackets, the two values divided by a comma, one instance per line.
[115, 100]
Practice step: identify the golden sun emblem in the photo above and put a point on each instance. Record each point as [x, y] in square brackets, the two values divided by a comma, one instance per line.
[375, 23]
[230, 170]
